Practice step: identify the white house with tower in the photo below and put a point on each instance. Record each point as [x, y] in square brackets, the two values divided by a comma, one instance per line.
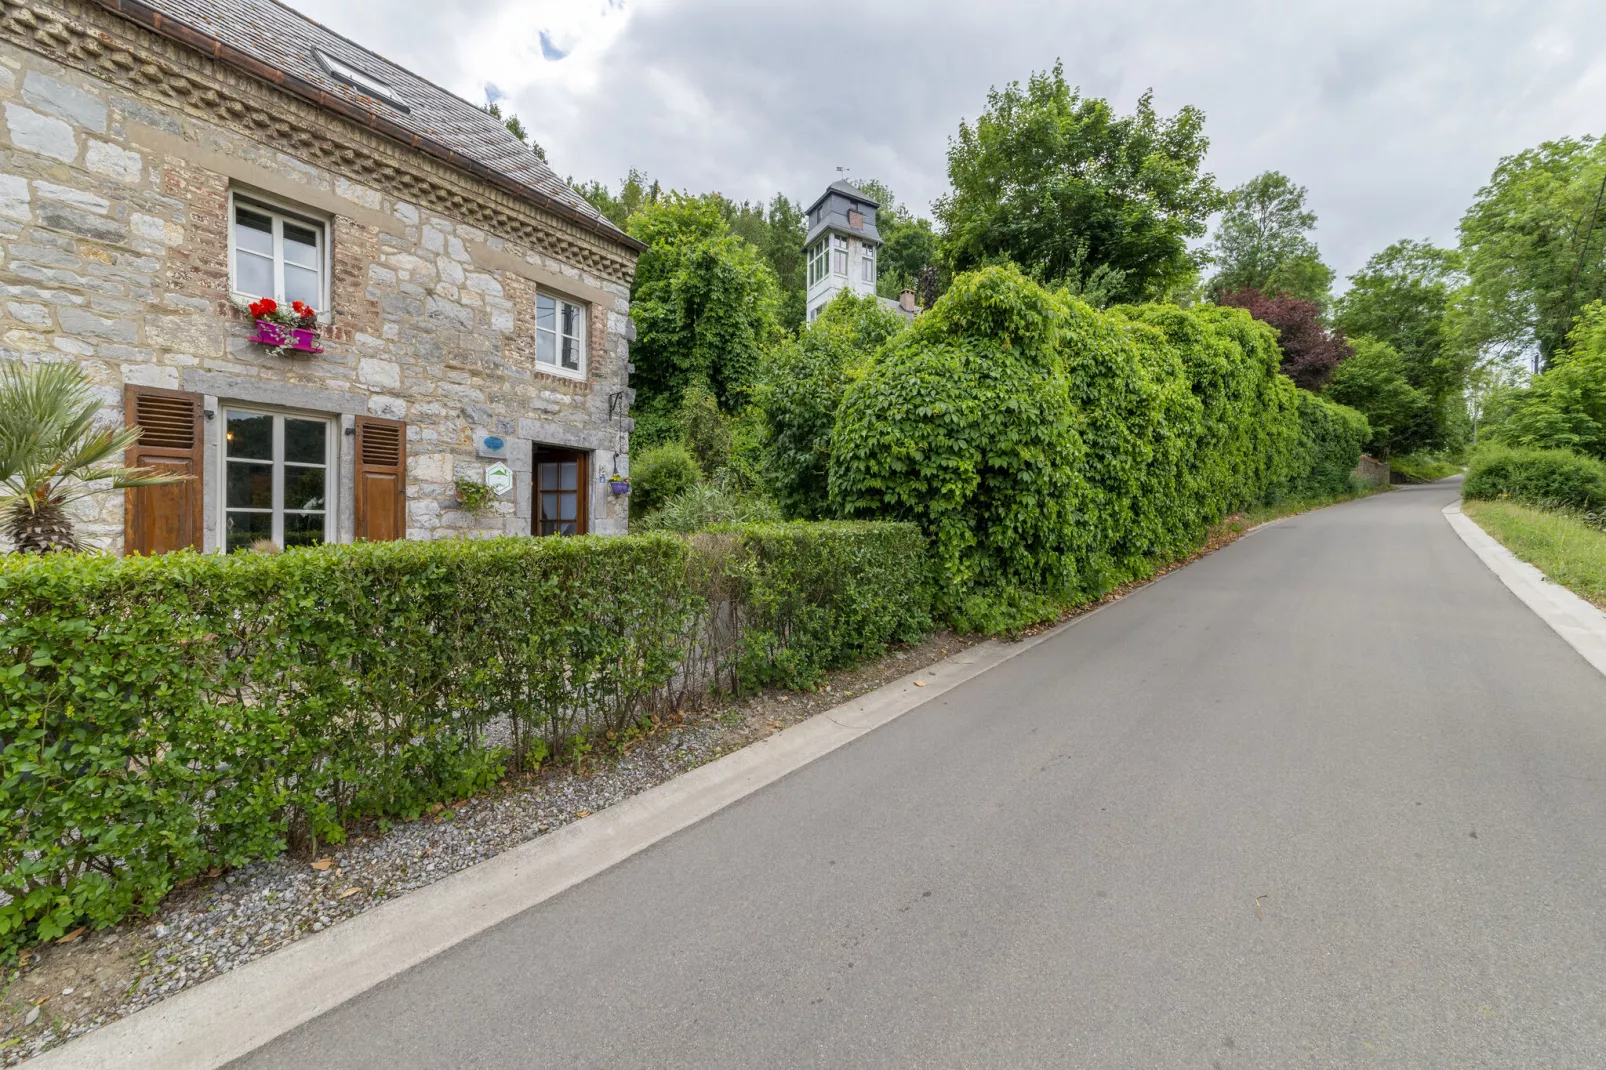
[841, 246]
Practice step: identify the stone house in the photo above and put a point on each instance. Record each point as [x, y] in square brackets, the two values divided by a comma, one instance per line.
[165, 161]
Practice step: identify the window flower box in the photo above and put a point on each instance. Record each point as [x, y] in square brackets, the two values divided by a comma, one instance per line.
[278, 336]
[282, 330]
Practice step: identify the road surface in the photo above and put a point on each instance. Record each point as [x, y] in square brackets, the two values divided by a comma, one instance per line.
[1329, 797]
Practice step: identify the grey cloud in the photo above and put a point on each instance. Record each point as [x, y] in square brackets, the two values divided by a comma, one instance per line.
[1392, 112]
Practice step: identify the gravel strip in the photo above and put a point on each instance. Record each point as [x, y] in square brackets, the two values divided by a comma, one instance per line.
[219, 923]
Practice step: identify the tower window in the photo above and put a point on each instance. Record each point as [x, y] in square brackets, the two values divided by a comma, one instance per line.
[839, 256]
[867, 262]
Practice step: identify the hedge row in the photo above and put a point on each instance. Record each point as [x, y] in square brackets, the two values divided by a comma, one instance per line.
[161, 716]
[1051, 450]
[1553, 478]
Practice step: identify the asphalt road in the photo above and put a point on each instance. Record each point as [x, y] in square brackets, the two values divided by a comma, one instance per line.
[1329, 797]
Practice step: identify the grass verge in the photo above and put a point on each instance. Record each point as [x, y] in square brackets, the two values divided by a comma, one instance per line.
[1563, 546]
[1422, 467]
[1265, 514]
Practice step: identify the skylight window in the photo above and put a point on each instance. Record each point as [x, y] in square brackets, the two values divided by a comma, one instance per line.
[342, 71]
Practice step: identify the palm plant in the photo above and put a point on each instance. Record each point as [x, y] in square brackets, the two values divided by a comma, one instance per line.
[52, 453]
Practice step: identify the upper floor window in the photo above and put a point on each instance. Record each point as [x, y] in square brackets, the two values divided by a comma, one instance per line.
[278, 255]
[818, 259]
[560, 335]
[839, 256]
[867, 263]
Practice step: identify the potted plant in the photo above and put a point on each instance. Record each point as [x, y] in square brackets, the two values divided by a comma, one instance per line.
[280, 330]
[619, 484]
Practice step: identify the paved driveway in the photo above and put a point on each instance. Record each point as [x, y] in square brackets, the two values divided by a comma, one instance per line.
[1329, 797]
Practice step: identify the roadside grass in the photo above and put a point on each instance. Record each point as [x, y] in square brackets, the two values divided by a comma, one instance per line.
[1564, 546]
[1422, 467]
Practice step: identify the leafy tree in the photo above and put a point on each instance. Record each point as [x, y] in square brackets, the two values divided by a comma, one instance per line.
[805, 381]
[777, 232]
[1565, 408]
[705, 305]
[1062, 186]
[1534, 245]
[635, 192]
[52, 453]
[1311, 352]
[909, 245]
[1263, 243]
[1373, 382]
[516, 127]
[1403, 296]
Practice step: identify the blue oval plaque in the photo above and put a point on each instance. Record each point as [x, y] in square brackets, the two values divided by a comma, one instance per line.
[492, 442]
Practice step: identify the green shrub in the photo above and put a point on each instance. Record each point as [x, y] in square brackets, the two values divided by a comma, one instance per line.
[805, 381]
[703, 428]
[1050, 450]
[1331, 437]
[658, 474]
[160, 716]
[705, 505]
[1537, 476]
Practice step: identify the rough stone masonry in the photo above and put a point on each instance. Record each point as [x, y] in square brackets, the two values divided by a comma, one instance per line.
[115, 184]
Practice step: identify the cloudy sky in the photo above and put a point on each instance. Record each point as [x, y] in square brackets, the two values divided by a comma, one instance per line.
[1392, 112]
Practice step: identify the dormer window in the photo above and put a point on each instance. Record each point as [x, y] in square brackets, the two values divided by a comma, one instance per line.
[341, 71]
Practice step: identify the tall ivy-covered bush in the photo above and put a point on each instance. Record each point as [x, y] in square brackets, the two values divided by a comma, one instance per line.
[965, 425]
[804, 384]
[1331, 437]
[705, 305]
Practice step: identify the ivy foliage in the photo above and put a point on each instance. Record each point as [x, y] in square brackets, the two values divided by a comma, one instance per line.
[805, 382]
[705, 305]
[1051, 451]
[160, 716]
[1565, 408]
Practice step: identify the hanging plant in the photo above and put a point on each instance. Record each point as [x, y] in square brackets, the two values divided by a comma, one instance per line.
[474, 497]
[280, 330]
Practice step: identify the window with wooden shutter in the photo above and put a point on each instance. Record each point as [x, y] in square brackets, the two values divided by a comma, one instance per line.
[381, 504]
[159, 520]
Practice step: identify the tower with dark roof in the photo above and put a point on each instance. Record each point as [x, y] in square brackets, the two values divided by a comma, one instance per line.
[841, 246]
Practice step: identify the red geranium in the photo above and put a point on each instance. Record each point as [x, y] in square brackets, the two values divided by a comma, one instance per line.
[263, 308]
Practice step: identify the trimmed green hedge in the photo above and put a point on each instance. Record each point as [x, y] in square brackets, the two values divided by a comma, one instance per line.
[1540, 477]
[1331, 437]
[160, 716]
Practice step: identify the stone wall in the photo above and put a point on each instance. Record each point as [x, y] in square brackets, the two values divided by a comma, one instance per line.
[114, 203]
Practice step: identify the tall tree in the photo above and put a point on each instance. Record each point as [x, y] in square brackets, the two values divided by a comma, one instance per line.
[1311, 352]
[515, 126]
[1373, 381]
[636, 191]
[1403, 296]
[705, 305]
[1534, 243]
[909, 244]
[777, 231]
[1064, 187]
[1263, 242]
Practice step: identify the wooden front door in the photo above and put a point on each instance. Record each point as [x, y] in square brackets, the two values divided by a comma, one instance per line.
[561, 485]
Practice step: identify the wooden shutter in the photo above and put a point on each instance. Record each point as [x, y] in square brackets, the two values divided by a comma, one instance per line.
[381, 479]
[159, 520]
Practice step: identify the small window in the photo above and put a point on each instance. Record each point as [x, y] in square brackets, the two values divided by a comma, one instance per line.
[341, 71]
[867, 262]
[277, 255]
[560, 335]
[818, 260]
[277, 479]
[839, 256]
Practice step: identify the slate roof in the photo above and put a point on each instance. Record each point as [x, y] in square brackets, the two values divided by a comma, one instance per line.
[847, 189]
[837, 221]
[268, 39]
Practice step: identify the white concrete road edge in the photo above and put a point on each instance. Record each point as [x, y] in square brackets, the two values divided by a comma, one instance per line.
[234, 1014]
[1575, 620]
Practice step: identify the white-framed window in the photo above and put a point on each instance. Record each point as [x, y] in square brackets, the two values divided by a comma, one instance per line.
[839, 256]
[277, 253]
[560, 335]
[278, 478]
[818, 260]
[867, 262]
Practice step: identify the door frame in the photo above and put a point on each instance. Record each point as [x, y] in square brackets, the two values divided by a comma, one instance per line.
[582, 505]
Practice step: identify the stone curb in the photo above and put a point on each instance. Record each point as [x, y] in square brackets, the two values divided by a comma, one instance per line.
[1575, 620]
